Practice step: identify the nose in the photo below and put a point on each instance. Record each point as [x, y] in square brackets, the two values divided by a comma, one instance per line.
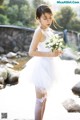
[48, 21]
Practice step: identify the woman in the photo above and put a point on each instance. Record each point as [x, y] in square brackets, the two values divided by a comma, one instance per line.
[39, 69]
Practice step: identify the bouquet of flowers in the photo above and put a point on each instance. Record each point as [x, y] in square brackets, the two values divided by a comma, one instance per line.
[55, 43]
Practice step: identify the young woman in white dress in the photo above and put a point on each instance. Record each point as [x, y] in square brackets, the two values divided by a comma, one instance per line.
[39, 69]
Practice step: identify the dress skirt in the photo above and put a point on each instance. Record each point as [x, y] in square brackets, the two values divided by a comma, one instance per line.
[39, 71]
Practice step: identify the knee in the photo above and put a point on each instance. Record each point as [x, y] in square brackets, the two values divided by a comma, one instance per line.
[42, 99]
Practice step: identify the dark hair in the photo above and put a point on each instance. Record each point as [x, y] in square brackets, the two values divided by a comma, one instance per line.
[42, 9]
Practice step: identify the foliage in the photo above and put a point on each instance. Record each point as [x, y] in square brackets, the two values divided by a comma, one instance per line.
[1, 2]
[22, 13]
[3, 19]
[2, 10]
[12, 12]
[18, 2]
[74, 24]
[19, 12]
[64, 16]
[36, 3]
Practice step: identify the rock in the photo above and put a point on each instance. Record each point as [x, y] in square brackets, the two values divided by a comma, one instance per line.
[1, 80]
[2, 83]
[76, 89]
[2, 86]
[3, 76]
[8, 76]
[14, 62]
[9, 65]
[68, 54]
[3, 72]
[71, 106]
[4, 60]
[77, 71]
[16, 49]
[0, 57]
[22, 54]
[1, 50]
[11, 55]
[12, 78]
[78, 59]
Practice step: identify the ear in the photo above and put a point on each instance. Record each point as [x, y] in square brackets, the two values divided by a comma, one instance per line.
[37, 21]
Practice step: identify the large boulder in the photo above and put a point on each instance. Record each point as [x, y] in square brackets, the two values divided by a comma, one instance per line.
[12, 78]
[8, 76]
[71, 106]
[3, 76]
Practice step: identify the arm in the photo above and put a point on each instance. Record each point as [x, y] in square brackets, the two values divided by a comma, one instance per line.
[37, 37]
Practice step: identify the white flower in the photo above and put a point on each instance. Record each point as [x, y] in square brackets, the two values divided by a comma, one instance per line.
[55, 42]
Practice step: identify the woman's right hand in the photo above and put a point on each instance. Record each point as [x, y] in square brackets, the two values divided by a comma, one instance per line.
[56, 53]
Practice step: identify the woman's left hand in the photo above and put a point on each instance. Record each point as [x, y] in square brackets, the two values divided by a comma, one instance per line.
[60, 52]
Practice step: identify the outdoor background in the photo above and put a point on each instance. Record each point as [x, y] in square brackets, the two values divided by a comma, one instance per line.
[18, 101]
[22, 13]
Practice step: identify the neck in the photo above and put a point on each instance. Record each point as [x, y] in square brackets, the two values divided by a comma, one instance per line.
[44, 28]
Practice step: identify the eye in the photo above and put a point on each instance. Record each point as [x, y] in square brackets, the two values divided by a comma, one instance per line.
[45, 18]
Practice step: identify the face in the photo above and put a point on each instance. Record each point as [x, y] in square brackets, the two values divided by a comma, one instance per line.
[45, 20]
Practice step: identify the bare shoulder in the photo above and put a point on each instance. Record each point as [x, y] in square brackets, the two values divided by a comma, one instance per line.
[38, 35]
[36, 39]
[38, 32]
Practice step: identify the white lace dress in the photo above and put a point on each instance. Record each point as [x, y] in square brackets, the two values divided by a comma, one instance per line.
[40, 70]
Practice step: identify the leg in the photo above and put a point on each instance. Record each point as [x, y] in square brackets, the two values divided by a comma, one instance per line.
[43, 106]
[40, 104]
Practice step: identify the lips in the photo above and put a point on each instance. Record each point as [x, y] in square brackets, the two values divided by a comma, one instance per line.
[48, 24]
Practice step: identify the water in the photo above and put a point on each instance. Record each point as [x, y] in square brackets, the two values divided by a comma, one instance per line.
[19, 101]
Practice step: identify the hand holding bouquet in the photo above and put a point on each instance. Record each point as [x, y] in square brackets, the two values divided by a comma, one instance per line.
[55, 43]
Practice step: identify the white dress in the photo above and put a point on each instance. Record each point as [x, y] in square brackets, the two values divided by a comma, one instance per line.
[40, 70]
